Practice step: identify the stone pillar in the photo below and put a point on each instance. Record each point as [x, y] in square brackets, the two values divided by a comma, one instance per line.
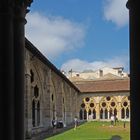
[6, 71]
[28, 107]
[48, 99]
[108, 115]
[71, 105]
[87, 116]
[134, 22]
[103, 113]
[59, 102]
[20, 11]
[97, 112]
[119, 111]
[68, 112]
[12, 68]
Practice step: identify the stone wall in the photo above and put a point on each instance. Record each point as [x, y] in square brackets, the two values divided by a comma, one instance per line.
[48, 96]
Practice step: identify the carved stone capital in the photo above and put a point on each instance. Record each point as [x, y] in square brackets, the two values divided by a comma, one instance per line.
[21, 9]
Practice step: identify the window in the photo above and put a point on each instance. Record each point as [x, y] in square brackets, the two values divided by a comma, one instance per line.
[32, 76]
[52, 98]
[36, 108]
[77, 75]
[36, 91]
[38, 113]
[33, 113]
[119, 72]
[63, 100]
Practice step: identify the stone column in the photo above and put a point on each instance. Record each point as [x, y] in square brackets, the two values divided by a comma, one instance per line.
[48, 99]
[87, 116]
[97, 112]
[6, 70]
[108, 115]
[68, 112]
[103, 113]
[134, 22]
[20, 11]
[119, 111]
[28, 107]
[12, 68]
[71, 105]
[59, 102]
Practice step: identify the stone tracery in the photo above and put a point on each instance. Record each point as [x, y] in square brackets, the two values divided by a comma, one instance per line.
[107, 106]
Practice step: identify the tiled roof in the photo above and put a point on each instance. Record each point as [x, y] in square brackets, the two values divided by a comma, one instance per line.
[103, 85]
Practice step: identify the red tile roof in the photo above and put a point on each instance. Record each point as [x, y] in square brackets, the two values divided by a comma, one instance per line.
[103, 85]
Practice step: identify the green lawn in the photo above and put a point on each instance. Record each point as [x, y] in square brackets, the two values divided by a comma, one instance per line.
[95, 131]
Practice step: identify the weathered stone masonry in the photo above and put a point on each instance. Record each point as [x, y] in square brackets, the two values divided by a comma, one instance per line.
[48, 93]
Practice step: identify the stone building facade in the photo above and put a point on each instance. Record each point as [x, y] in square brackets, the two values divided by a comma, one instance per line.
[100, 99]
[49, 95]
[96, 74]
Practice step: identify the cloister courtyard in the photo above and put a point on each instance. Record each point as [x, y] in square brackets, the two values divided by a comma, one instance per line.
[96, 131]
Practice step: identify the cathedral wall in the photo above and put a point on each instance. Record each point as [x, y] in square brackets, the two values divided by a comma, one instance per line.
[47, 96]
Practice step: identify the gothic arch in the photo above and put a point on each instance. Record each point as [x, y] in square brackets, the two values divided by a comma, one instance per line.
[125, 108]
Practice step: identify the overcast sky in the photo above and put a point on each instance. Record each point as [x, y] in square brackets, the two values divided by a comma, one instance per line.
[80, 34]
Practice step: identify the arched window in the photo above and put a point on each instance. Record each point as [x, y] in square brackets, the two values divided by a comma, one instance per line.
[106, 114]
[89, 112]
[94, 114]
[127, 112]
[33, 113]
[85, 114]
[115, 111]
[110, 113]
[36, 108]
[101, 114]
[38, 113]
[36, 91]
[54, 111]
[122, 113]
[32, 76]
[52, 98]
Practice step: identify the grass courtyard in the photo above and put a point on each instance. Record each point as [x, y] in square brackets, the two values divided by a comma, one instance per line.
[96, 131]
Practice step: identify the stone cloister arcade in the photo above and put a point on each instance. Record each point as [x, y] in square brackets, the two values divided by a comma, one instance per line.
[12, 44]
[101, 108]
